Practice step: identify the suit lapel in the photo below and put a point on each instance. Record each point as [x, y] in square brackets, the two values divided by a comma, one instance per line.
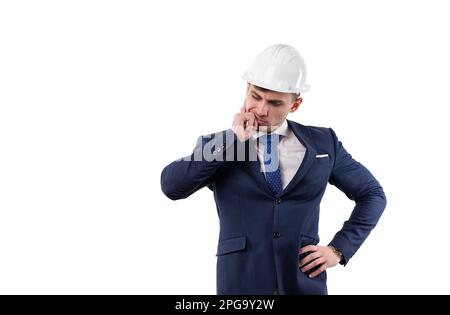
[303, 136]
[255, 167]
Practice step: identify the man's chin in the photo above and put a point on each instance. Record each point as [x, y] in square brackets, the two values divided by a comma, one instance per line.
[264, 127]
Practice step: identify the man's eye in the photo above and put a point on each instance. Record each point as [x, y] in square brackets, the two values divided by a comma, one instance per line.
[255, 97]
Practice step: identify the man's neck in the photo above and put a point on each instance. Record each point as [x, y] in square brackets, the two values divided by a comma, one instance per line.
[263, 130]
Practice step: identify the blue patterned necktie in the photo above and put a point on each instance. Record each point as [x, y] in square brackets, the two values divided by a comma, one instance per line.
[271, 162]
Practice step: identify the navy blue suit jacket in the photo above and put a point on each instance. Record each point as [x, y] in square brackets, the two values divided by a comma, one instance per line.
[260, 233]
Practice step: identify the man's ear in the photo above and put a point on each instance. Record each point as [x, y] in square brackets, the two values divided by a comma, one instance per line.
[296, 104]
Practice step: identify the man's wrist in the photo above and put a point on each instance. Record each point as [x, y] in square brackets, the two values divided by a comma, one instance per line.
[336, 252]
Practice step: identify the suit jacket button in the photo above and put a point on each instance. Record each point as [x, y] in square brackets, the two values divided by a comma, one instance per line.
[278, 200]
[276, 234]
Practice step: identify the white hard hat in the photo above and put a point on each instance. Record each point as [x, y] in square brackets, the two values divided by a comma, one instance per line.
[278, 68]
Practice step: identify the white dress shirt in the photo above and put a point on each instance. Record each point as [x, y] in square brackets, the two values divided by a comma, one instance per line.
[290, 152]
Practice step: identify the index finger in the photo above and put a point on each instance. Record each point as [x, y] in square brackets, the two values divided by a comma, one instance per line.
[308, 248]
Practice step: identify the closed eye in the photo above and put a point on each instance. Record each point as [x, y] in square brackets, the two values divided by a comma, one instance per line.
[271, 102]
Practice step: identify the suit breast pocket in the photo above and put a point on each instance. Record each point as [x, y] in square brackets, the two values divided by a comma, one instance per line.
[322, 159]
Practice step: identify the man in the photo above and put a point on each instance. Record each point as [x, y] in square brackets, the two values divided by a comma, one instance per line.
[268, 175]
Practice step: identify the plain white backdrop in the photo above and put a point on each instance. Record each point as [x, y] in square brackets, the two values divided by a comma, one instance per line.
[96, 97]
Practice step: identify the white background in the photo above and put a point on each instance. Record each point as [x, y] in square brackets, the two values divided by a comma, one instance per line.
[96, 97]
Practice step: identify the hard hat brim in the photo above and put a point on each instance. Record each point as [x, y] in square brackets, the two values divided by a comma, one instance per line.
[271, 87]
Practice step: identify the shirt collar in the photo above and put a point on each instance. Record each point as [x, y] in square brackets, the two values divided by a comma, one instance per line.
[282, 130]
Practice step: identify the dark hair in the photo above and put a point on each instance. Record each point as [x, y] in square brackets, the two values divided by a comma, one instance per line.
[295, 96]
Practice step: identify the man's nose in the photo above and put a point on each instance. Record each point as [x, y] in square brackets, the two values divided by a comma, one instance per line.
[261, 109]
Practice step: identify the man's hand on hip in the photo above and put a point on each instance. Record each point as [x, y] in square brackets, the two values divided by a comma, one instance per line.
[322, 257]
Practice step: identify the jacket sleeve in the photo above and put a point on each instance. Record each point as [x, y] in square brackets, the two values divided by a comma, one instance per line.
[359, 185]
[185, 176]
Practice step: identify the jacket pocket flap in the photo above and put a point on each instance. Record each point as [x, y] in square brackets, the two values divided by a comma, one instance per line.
[308, 240]
[231, 245]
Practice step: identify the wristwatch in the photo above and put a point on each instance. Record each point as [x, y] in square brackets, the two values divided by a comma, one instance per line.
[336, 251]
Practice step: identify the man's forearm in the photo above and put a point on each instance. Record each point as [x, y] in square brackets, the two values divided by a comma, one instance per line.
[364, 217]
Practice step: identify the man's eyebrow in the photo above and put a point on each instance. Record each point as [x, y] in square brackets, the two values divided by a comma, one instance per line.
[271, 101]
[254, 92]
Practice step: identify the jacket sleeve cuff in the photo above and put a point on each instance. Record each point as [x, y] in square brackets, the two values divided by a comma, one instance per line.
[340, 245]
